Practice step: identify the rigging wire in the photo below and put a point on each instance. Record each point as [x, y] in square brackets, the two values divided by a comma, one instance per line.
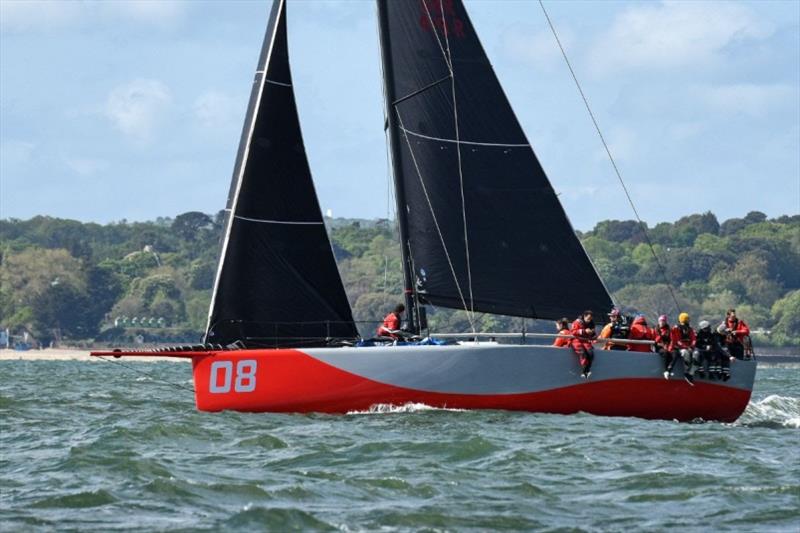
[146, 374]
[448, 59]
[435, 221]
[642, 225]
[460, 169]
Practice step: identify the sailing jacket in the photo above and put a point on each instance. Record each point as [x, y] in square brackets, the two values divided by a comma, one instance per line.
[640, 332]
[707, 340]
[683, 338]
[561, 342]
[390, 323]
[738, 328]
[582, 338]
[663, 336]
[616, 329]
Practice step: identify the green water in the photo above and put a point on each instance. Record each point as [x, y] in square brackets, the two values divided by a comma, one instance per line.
[93, 446]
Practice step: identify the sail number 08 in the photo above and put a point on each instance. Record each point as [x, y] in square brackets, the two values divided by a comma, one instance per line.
[223, 376]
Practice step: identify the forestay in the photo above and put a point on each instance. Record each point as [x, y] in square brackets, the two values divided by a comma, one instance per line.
[277, 283]
[486, 231]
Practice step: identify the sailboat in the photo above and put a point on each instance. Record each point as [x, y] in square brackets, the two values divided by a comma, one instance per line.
[481, 230]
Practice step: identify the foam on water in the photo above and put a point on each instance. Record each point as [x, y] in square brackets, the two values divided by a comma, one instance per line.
[773, 411]
[409, 407]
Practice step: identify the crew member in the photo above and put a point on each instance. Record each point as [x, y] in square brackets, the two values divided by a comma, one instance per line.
[562, 326]
[640, 332]
[617, 328]
[663, 338]
[723, 363]
[683, 343]
[584, 332]
[391, 323]
[707, 351]
[738, 333]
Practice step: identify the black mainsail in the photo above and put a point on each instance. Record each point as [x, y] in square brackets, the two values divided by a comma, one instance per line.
[481, 227]
[277, 283]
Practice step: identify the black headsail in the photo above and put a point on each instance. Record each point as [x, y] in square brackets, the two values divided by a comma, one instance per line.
[277, 283]
[485, 230]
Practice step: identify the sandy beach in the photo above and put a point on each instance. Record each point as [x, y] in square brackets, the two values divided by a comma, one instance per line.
[67, 354]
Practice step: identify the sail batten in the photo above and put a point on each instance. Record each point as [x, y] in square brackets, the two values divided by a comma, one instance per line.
[485, 229]
[277, 283]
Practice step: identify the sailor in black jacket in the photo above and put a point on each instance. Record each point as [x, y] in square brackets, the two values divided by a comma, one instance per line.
[707, 351]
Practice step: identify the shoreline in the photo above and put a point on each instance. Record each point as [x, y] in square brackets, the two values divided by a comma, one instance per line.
[72, 354]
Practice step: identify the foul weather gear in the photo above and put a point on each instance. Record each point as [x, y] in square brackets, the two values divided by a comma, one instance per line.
[584, 334]
[663, 337]
[707, 353]
[561, 342]
[737, 332]
[618, 328]
[640, 332]
[390, 326]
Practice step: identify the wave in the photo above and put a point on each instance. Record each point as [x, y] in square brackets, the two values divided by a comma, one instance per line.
[773, 411]
[409, 407]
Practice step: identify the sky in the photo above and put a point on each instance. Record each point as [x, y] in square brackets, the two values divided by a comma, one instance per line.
[133, 110]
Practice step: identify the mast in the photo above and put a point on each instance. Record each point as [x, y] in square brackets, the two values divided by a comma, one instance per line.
[397, 161]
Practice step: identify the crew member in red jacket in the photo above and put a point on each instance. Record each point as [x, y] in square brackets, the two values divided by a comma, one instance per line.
[584, 332]
[683, 343]
[640, 331]
[663, 338]
[562, 326]
[391, 324]
[736, 331]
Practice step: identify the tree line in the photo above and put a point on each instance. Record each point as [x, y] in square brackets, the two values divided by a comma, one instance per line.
[63, 280]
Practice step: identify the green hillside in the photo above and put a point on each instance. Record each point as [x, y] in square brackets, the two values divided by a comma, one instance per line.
[67, 280]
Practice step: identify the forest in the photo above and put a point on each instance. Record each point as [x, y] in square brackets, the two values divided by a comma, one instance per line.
[64, 281]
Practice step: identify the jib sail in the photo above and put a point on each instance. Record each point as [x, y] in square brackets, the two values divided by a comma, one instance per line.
[277, 283]
[484, 228]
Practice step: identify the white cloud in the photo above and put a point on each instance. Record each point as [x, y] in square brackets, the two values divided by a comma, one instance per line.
[754, 100]
[86, 166]
[45, 15]
[152, 12]
[17, 15]
[16, 153]
[537, 48]
[682, 131]
[214, 109]
[673, 34]
[622, 143]
[136, 108]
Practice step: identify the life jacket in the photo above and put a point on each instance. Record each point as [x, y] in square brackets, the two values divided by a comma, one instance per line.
[621, 329]
[738, 328]
[683, 337]
[663, 335]
[707, 340]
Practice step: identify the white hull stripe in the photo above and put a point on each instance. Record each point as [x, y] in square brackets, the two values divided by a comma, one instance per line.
[273, 82]
[455, 141]
[267, 221]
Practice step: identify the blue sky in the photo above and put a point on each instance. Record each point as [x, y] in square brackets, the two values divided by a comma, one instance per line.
[132, 110]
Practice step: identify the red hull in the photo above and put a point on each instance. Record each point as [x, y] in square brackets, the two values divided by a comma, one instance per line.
[293, 381]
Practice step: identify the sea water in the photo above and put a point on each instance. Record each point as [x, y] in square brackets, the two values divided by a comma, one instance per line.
[97, 446]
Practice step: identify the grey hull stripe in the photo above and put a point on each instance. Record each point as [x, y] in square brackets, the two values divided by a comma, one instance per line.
[279, 83]
[290, 222]
[501, 369]
[469, 143]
